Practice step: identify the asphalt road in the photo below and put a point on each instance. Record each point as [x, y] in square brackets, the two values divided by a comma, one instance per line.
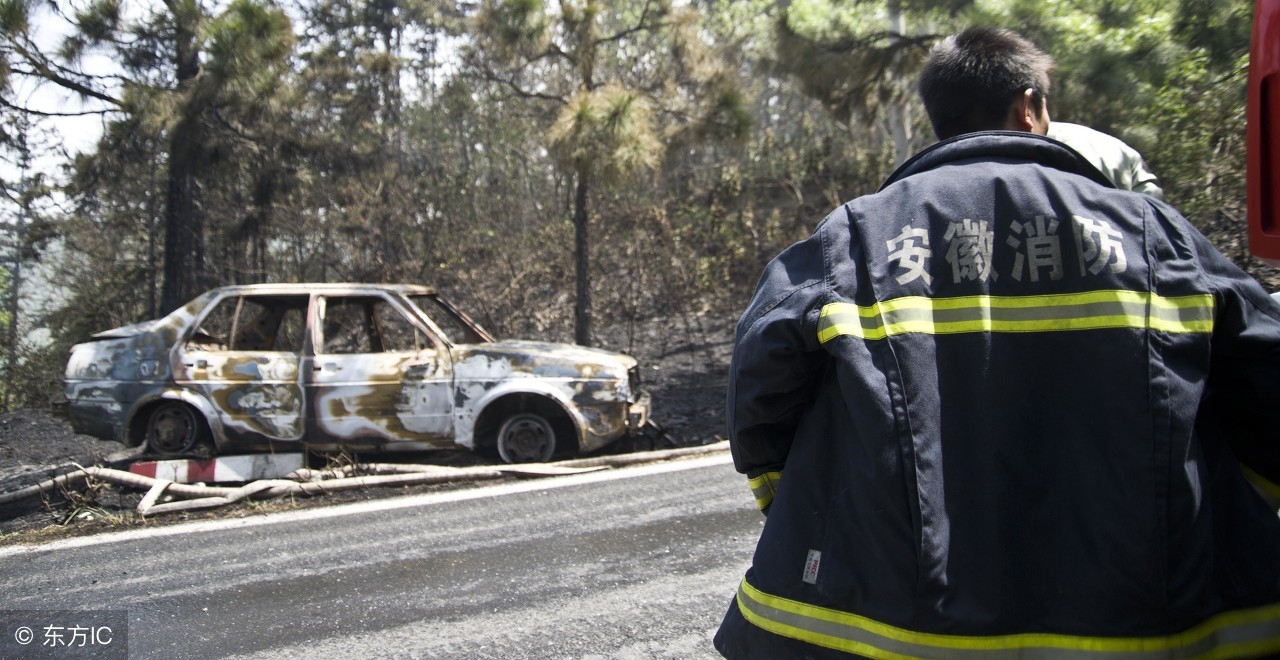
[592, 566]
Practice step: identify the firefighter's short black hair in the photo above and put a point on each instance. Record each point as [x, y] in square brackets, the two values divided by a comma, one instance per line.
[971, 78]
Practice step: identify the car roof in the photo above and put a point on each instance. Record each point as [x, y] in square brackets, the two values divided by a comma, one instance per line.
[304, 288]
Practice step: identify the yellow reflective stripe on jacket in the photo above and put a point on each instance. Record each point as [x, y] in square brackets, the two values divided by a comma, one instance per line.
[764, 487]
[1266, 488]
[1241, 633]
[1049, 313]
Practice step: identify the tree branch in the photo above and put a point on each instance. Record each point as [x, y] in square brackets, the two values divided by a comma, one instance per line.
[640, 26]
[491, 76]
[41, 113]
[41, 67]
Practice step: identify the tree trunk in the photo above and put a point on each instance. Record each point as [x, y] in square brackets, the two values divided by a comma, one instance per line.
[183, 226]
[899, 118]
[899, 115]
[153, 221]
[582, 308]
[15, 280]
[183, 232]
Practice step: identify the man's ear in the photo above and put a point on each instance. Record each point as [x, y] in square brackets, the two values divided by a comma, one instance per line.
[1022, 113]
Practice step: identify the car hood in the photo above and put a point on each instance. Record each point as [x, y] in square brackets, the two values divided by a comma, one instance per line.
[126, 331]
[159, 333]
[543, 359]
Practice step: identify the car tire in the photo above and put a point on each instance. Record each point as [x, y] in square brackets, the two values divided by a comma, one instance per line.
[526, 438]
[174, 428]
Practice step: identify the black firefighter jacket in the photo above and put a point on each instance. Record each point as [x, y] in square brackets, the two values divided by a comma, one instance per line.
[1000, 408]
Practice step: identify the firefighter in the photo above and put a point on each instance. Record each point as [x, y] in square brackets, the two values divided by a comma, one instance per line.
[1123, 166]
[1000, 408]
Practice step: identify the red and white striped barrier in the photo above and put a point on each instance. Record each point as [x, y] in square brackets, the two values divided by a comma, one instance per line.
[224, 469]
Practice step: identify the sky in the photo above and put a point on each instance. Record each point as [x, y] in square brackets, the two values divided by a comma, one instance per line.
[77, 134]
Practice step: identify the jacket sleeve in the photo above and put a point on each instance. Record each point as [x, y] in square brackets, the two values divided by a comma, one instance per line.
[1243, 396]
[1143, 179]
[776, 364]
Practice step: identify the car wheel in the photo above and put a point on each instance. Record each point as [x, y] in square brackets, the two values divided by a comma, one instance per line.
[526, 438]
[174, 428]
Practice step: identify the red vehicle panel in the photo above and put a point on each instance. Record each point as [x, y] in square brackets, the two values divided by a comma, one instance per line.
[1263, 137]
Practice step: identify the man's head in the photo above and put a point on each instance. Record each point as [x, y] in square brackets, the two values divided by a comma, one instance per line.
[983, 79]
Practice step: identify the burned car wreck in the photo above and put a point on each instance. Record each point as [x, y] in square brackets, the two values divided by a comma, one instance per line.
[366, 367]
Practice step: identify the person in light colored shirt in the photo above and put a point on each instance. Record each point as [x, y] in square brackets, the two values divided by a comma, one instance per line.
[1121, 163]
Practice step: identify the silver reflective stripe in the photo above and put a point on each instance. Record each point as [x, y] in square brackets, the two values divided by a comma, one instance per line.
[1241, 633]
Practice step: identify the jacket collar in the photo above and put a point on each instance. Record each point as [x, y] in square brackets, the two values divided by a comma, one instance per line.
[1016, 145]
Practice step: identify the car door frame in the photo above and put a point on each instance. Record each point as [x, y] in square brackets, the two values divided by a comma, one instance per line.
[257, 395]
[353, 398]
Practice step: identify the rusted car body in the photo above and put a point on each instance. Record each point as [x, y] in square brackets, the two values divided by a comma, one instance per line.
[320, 367]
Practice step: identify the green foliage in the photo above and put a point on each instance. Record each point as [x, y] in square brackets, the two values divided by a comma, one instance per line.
[859, 59]
[247, 48]
[98, 22]
[611, 127]
[607, 72]
[13, 17]
[1220, 30]
[510, 29]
